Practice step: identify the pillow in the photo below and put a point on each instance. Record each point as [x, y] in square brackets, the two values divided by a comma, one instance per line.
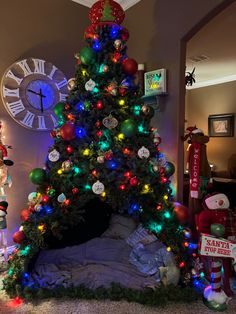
[120, 227]
[141, 235]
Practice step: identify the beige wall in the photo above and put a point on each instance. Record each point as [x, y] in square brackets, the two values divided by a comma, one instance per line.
[50, 30]
[53, 30]
[202, 102]
[158, 29]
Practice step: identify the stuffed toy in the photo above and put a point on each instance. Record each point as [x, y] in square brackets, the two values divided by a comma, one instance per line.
[4, 156]
[3, 227]
[5, 180]
[218, 220]
[199, 171]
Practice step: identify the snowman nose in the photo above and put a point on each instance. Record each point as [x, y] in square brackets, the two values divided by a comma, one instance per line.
[221, 202]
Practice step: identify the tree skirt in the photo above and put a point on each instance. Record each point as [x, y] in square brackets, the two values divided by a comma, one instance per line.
[98, 262]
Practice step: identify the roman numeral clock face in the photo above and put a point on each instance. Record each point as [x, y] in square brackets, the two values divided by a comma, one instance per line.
[30, 89]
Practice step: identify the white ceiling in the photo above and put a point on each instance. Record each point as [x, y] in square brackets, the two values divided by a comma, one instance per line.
[215, 41]
[124, 3]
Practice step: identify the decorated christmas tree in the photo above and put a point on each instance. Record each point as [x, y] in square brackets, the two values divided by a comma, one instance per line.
[104, 149]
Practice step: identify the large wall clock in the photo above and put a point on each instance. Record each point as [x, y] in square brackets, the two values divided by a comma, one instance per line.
[30, 88]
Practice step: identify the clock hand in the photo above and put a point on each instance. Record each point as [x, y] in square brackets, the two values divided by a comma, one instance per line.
[41, 99]
[33, 92]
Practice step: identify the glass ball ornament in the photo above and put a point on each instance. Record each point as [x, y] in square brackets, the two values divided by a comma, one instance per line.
[124, 33]
[58, 109]
[38, 208]
[67, 166]
[148, 111]
[130, 66]
[54, 155]
[67, 131]
[25, 213]
[118, 44]
[37, 176]
[18, 237]
[61, 198]
[134, 181]
[75, 191]
[87, 55]
[98, 187]
[105, 68]
[129, 127]
[169, 169]
[100, 159]
[34, 197]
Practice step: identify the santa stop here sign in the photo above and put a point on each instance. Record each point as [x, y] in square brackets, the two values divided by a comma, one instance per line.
[215, 247]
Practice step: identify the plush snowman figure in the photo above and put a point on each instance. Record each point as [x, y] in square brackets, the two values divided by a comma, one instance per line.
[3, 227]
[214, 220]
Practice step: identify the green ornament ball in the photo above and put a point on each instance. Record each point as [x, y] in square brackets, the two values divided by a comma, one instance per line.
[169, 169]
[37, 176]
[58, 109]
[217, 230]
[87, 55]
[129, 127]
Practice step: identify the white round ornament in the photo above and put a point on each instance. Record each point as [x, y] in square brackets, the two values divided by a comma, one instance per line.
[98, 187]
[61, 198]
[143, 152]
[32, 196]
[90, 85]
[54, 155]
[118, 44]
[21, 228]
[110, 122]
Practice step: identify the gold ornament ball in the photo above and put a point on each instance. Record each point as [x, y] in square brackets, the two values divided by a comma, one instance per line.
[71, 83]
[100, 159]
[105, 68]
[145, 109]
[155, 168]
[66, 165]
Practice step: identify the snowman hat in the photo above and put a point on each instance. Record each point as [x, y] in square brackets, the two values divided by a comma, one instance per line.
[3, 206]
[216, 201]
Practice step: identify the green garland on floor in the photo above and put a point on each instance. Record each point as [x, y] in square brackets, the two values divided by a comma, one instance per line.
[158, 297]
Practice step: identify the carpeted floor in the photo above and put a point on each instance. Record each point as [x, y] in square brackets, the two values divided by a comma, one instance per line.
[101, 307]
[104, 307]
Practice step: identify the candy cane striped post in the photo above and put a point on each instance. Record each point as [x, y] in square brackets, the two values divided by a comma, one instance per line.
[216, 266]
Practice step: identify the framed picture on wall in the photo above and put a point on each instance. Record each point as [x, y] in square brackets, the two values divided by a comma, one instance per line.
[221, 125]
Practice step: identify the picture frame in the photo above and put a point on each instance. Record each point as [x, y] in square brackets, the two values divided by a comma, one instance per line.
[155, 82]
[221, 125]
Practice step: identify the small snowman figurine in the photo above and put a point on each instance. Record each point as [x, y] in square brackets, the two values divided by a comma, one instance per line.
[3, 228]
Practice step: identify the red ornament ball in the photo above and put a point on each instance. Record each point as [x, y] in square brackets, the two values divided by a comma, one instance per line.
[24, 215]
[182, 212]
[130, 66]
[134, 181]
[124, 34]
[67, 131]
[97, 12]
[18, 237]
[123, 91]
[75, 190]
